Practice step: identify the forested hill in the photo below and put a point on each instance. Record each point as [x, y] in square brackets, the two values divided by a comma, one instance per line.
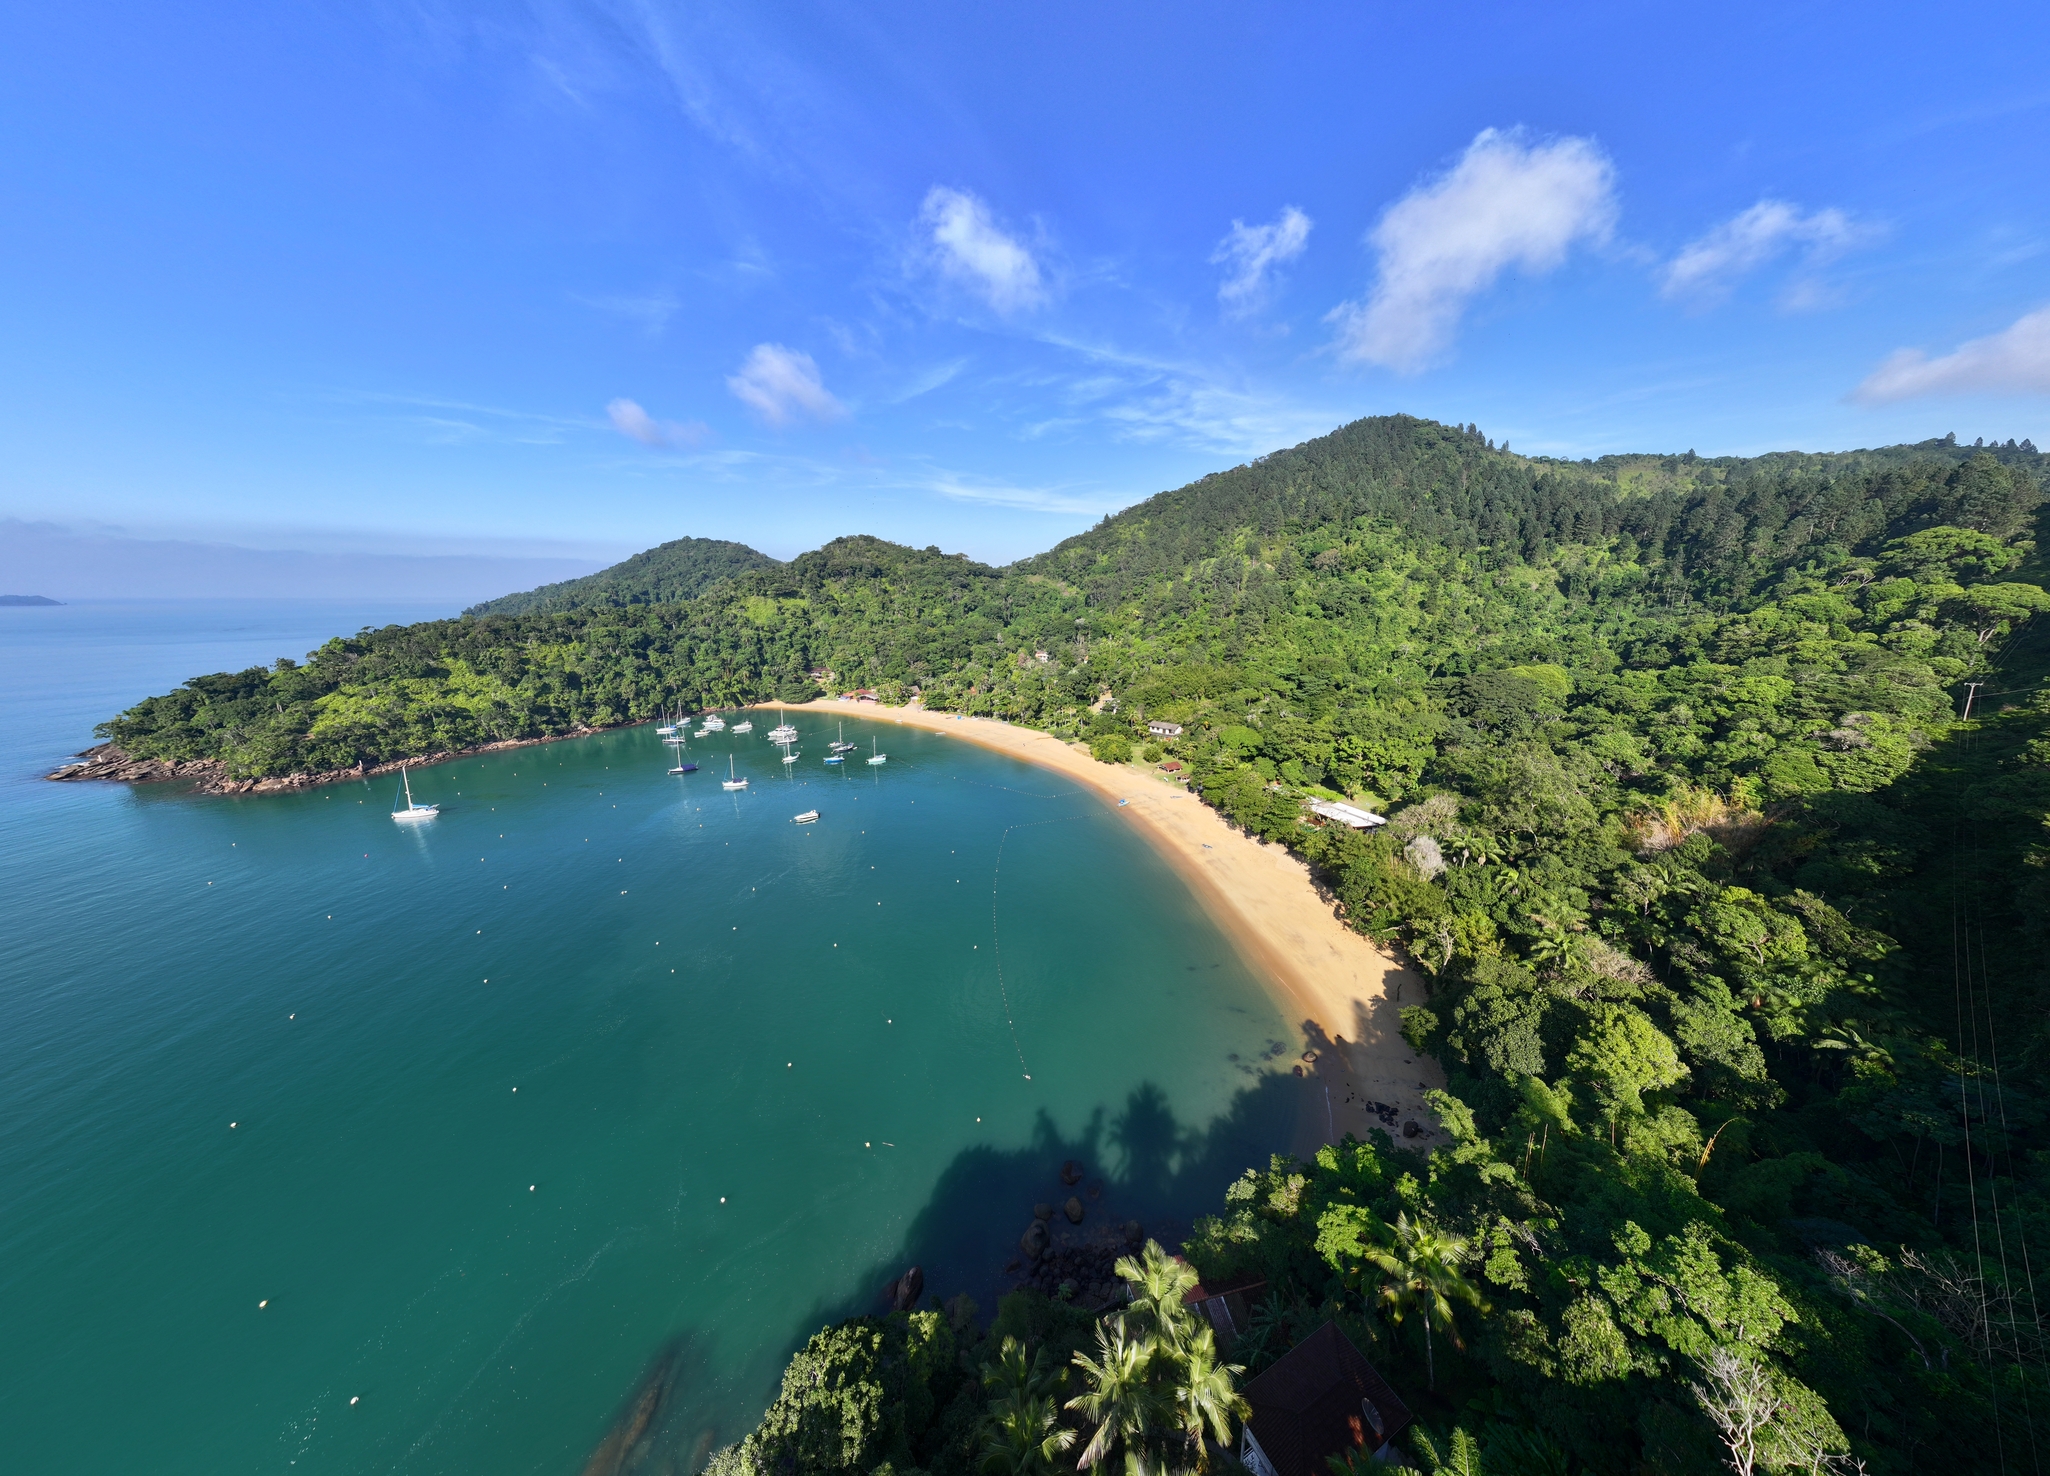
[1734, 926]
[679, 570]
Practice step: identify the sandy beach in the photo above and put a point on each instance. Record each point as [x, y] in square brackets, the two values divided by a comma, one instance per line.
[1343, 991]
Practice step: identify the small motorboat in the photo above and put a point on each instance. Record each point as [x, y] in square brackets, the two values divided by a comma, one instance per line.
[836, 758]
[746, 725]
[713, 723]
[807, 818]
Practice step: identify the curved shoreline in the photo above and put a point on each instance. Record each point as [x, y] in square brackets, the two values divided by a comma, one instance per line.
[1345, 992]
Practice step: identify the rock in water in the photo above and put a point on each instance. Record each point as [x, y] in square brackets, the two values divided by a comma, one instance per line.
[1074, 1210]
[1071, 1173]
[1042, 1212]
[1135, 1233]
[1033, 1241]
[906, 1289]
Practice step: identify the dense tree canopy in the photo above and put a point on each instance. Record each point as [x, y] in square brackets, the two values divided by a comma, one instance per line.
[1733, 924]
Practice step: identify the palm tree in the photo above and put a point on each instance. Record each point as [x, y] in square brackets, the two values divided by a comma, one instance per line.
[1120, 1400]
[1422, 1266]
[1161, 1282]
[1022, 1436]
[1205, 1395]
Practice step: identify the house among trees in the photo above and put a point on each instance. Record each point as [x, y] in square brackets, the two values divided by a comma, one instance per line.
[1226, 1308]
[1351, 815]
[1164, 730]
[1320, 1399]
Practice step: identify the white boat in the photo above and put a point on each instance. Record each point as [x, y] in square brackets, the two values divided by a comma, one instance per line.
[843, 746]
[729, 782]
[789, 757]
[703, 733]
[413, 810]
[805, 819]
[713, 723]
[876, 758]
[836, 758]
[745, 725]
[682, 767]
[782, 732]
[667, 730]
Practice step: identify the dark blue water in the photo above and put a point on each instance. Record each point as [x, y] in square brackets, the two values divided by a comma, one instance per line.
[334, 1145]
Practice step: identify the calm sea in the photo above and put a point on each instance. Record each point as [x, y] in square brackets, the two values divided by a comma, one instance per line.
[331, 1145]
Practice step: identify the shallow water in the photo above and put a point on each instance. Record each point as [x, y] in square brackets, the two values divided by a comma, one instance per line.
[603, 1081]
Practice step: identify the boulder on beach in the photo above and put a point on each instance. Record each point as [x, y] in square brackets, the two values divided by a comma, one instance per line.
[1411, 1130]
[1073, 1209]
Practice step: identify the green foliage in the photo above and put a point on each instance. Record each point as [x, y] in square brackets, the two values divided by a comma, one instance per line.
[664, 575]
[1720, 904]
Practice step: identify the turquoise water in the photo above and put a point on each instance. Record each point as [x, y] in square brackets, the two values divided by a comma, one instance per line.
[604, 1080]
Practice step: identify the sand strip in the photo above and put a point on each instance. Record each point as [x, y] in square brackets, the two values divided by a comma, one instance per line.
[1344, 992]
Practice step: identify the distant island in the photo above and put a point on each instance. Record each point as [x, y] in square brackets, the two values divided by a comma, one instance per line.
[28, 600]
[1686, 784]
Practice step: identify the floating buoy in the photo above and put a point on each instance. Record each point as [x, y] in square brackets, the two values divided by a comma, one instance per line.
[263, 1304]
[231, 1124]
[354, 1397]
[530, 1188]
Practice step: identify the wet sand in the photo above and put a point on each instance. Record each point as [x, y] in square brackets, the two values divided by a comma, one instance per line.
[1344, 992]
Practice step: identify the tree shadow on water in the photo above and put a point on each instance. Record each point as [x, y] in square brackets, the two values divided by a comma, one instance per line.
[1139, 1162]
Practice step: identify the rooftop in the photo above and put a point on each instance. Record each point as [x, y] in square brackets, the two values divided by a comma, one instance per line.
[1319, 1399]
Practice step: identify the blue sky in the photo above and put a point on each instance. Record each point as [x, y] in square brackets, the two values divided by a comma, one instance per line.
[569, 279]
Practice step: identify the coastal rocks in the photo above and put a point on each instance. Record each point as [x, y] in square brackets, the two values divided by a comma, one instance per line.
[1411, 1130]
[1042, 1212]
[1135, 1234]
[1033, 1241]
[903, 1293]
[108, 761]
[1071, 1173]
[1073, 1210]
[1086, 1275]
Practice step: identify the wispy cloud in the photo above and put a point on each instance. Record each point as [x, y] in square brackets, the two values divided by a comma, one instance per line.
[1152, 399]
[782, 385]
[1252, 253]
[1707, 268]
[969, 246]
[1026, 499]
[1507, 202]
[630, 420]
[650, 310]
[2014, 361]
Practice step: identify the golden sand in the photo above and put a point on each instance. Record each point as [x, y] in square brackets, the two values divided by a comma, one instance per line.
[1344, 991]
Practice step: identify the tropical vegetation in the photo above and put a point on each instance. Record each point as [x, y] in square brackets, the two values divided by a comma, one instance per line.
[1716, 793]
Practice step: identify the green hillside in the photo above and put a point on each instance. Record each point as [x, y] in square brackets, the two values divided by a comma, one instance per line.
[1732, 924]
[679, 570]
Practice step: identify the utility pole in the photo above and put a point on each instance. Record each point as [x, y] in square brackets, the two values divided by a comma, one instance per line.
[1971, 691]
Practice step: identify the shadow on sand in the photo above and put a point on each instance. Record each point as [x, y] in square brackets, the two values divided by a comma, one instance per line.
[1139, 1163]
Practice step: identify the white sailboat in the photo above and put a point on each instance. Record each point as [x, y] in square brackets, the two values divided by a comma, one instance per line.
[876, 758]
[843, 746]
[413, 810]
[729, 782]
[666, 728]
[782, 732]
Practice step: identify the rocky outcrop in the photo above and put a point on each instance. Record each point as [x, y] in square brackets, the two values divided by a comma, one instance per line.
[903, 1293]
[210, 776]
[1071, 1173]
[1073, 1210]
[1033, 1241]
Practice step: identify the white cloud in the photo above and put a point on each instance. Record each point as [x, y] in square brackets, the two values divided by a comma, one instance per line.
[970, 247]
[2014, 361]
[1252, 253]
[630, 420]
[1025, 499]
[781, 385]
[1507, 202]
[1707, 268]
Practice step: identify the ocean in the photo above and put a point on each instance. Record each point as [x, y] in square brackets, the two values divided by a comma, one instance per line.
[334, 1145]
